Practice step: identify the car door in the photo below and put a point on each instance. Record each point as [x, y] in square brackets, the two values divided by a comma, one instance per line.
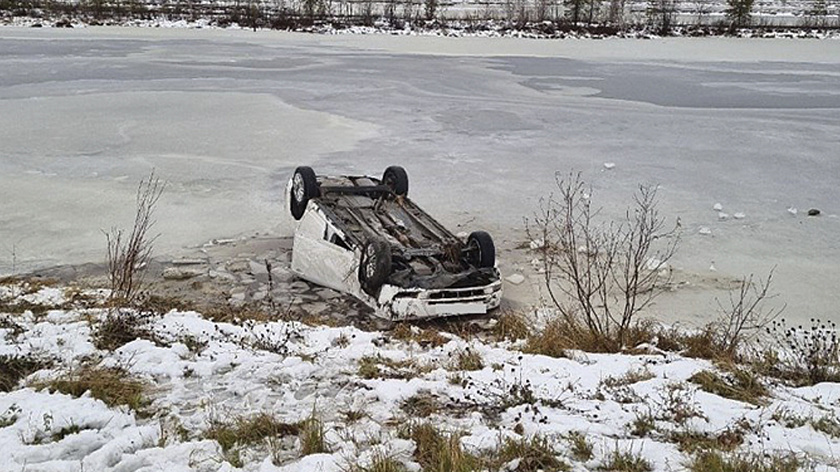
[321, 255]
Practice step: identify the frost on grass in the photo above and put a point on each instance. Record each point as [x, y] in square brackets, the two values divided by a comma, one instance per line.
[197, 394]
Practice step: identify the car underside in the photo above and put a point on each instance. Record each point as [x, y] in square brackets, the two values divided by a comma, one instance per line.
[388, 251]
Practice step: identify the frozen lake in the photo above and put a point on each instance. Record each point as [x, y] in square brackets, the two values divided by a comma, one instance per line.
[480, 124]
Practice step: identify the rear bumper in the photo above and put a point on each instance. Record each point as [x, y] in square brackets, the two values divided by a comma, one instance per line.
[397, 303]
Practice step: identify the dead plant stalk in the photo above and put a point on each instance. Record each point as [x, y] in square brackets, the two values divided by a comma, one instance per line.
[129, 255]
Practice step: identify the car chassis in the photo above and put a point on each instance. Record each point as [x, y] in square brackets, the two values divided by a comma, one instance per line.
[363, 236]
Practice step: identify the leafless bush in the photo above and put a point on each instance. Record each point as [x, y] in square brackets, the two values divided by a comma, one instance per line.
[601, 275]
[129, 254]
[745, 316]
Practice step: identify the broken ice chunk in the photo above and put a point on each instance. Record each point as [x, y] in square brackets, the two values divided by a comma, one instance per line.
[793, 211]
[705, 231]
[717, 207]
[515, 279]
[609, 165]
[723, 216]
[739, 216]
[537, 243]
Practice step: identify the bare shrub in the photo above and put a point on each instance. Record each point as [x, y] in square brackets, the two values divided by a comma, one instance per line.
[740, 322]
[128, 254]
[746, 315]
[601, 275]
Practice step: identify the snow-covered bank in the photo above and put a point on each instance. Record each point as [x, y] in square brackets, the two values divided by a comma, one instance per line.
[364, 387]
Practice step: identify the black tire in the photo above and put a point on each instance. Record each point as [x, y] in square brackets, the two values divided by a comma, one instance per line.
[396, 179]
[481, 250]
[304, 188]
[375, 266]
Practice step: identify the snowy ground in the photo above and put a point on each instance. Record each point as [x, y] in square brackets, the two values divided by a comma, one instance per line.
[481, 125]
[200, 373]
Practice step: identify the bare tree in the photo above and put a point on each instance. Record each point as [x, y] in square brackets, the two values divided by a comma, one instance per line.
[661, 15]
[431, 8]
[129, 254]
[601, 275]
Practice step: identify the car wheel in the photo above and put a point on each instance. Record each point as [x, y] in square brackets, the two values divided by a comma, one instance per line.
[304, 187]
[481, 250]
[396, 179]
[375, 266]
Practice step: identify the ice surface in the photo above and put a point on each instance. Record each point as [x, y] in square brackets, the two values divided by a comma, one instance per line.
[481, 125]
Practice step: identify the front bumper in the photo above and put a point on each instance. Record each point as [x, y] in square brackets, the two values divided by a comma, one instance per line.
[398, 303]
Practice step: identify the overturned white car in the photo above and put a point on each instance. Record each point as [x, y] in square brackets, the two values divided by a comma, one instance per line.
[363, 236]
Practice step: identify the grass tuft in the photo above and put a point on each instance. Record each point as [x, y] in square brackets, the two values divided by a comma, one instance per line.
[440, 452]
[380, 462]
[535, 455]
[109, 384]
[694, 441]
[625, 461]
[426, 337]
[581, 448]
[247, 431]
[714, 461]
[467, 359]
[15, 367]
[378, 366]
[741, 384]
[512, 325]
[312, 436]
[120, 328]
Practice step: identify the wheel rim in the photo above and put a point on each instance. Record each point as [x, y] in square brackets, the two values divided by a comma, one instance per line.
[390, 182]
[476, 250]
[298, 188]
[370, 262]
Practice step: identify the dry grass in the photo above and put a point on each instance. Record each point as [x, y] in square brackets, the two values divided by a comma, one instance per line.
[561, 334]
[535, 455]
[629, 378]
[714, 461]
[426, 337]
[245, 431]
[553, 340]
[380, 367]
[467, 359]
[120, 328]
[440, 452]
[111, 385]
[312, 436]
[420, 405]
[237, 314]
[579, 446]
[740, 384]
[512, 325]
[161, 304]
[380, 462]
[643, 424]
[694, 441]
[828, 424]
[625, 461]
[13, 368]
